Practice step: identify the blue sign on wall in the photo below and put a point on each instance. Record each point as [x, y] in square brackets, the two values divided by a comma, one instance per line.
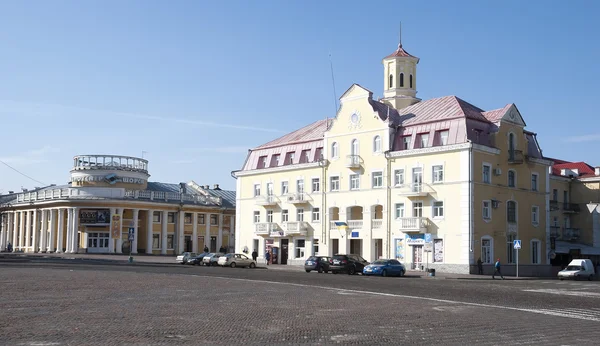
[354, 235]
[428, 237]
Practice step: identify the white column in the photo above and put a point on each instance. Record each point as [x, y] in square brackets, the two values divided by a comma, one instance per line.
[120, 211]
[134, 243]
[69, 227]
[207, 232]
[75, 243]
[84, 235]
[195, 232]
[180, 231]
[35, 229]
[15, 233]
[3, 228]
[111, 241]
[220, 236]
[44, 231]
[61, 230]
[22, 217]
[27, 231]
[149, 233]
[52, 243]
[163, 241]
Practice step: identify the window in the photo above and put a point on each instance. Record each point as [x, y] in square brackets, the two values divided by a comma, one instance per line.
[535, 217]
[555, 195]
[214, 221]
[399, 210]
[486, 250]
[318, 154]
[441, 138]
[285, 216]
[377, 144]
[565, 196]
[334, 183]
[156, 241]
[269, 216]
[300, 186]
[487, 178]
[269, 189]
[156, 216]
[262, 162]
[300, 215]
[275, 160]
[511, 179]
[305, 156]
[535, 252]
[354, 182]
[534, 182]
[391, 81]
[316, 185]
[401, 80]
[354, 147]
[284, 188]
[300, 246]
[201, 219]
[438, 250]
[487, 211]
[256, 216]
[171, 217]
[423, 140]
[438, 174]
[170, 242]
[316, 215]
[334, 150]
[511, 253]
[417, 209]
[411, 81]
[377, 180]
[289, 158]
[256, 190]
[556, 221]
[405, 142]
[398, 177]
[438, 209]
[511, 211]
[187, 218]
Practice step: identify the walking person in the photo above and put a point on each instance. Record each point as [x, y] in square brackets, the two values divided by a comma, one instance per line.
[268, 257]
[479, 266]
[254, 255]
[9, 247]
[497, 270]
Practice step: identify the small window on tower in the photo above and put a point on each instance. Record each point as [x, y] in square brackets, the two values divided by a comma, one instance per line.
[401, 80]
[391, 81]
[411, 81]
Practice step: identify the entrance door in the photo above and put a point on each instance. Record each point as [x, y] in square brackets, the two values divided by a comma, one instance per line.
[417, 256]
[378, 248]
[284, 250]
[188, 243]
[417, 179]
[97, 242]
[213, 244]
[335, 246]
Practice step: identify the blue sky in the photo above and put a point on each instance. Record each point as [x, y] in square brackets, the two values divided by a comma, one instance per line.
[197, 83]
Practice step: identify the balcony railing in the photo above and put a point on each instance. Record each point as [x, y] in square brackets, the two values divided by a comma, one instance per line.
[515, 156]
[357, 224]
[267, 200]
[265, 228]
[110, 162]
[172, 197]
[413, 224]
[352, 161]
[571, 208]
[295, 228]
[377, 223]
[415, 190]
[298, 198]
[571, 233]
[554, 205]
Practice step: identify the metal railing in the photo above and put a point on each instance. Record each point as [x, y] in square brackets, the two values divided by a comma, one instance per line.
[352, 161]
[415, 189]
[112, 162]
[265, 228]
[571, 233]
[571, 208]
[295, 227]
[298, 198]
[172, 197]
[515, 156]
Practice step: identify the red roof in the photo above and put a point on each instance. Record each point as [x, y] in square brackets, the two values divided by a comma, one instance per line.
[496, 115]
[311, 132]
[400, 52]
[583, 168]
[441, 108]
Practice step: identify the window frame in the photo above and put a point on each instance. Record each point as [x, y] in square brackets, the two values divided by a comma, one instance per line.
[171, 239]
[438, 208]
[334, 181]
[516, 216]
[269, 218]
[256, 216]
[171, 217]
[489, 208]
[433, 174]
[187, 218]
[315, 182]
[397, 208]
[285, 184]
[285, 215]
[354, 180]
[490, 260]
[156, 240]
[377, 176]
[300, 215]
[216, 219]
[489, 167]
[256, 190]
[157, 217]
[406, 142]
[316, 212]
[535, 215]
[535, 188]
[514, 178]
[202, 219]
[537, 259]
[377, 144]
[399, 173]
[335, 150]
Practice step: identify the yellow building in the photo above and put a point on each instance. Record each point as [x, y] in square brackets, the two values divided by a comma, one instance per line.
[436, 183]
[108, 198]
[574, 221]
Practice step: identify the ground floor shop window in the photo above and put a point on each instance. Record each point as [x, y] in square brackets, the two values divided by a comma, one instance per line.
[98, 240]
[438, 250]
[156, 241]
[170, 242]
[300, 243]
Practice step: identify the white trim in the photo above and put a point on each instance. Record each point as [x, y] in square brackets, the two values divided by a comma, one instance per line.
[337, 154]
[485, 149]
[380, 144]
[350, 188]
[339, 182]
[443, 164]
[516, 211]
[311, 185]
[540, 161]
[281, 187]
[539, 252]
[403, 169]
[433, 217]
[312, 211]
[357, 146]
[538, 215]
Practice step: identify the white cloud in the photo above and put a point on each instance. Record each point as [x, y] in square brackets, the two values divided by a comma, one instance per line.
[33, 156]
[583, 138]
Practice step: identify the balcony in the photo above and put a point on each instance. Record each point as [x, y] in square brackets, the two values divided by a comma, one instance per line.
[571, 234]
[555, 231]
[377, 223]
[352, 224]
[570, 208]
[515, 157]
[266, 200]
[412, 224]
[352, 161]
[298, 198]
[295, 228]
[415, 190]
[265, 228]
[554, 205]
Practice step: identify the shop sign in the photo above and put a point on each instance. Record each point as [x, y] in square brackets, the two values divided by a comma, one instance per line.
[94, 216]
[415, 239]
[111, 179]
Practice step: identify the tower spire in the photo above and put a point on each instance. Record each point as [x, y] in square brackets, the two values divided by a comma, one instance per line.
[400, 36]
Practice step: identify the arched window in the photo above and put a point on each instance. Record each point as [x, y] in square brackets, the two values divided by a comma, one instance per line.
[411, 84]
[401, 80]
[512, 178]
[377, 144]
[391, 81]
[334, 150]
[354, 147]
[511, 211]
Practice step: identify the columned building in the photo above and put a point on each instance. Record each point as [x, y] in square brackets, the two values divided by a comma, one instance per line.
[109, 201]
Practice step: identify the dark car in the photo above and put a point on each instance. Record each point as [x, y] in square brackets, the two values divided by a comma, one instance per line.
[197, 259]
[318, 263]
[350, 264]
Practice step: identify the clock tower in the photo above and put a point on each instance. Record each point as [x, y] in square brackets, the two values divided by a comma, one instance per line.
[400, 79]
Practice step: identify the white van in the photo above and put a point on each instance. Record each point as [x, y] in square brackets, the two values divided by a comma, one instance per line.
[578, 269]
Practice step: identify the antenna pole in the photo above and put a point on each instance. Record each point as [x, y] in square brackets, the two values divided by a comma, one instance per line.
[333, 83]
[400, 36]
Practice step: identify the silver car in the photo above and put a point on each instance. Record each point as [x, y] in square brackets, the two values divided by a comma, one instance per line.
[211, 259]
[236, 260]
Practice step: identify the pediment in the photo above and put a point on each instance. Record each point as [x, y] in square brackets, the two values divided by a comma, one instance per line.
[355, 92]
[513, 116]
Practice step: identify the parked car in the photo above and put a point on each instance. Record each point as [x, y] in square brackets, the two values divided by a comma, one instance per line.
[197, 259]
[578, 269]
[318, 263]
[350, 264]
[236, 260]
[212, 258]
[183, 258]
[385, 267]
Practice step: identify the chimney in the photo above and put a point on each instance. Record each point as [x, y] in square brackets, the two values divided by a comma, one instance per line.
[206, 187]
[216, 187]
[182, 188]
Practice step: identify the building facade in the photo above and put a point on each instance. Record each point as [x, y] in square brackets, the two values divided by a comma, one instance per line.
[108, 197]
[385, 175]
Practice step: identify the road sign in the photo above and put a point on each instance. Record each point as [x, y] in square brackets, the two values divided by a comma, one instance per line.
[131, 233]
[428, 247]
[516, 244]
[427, 237]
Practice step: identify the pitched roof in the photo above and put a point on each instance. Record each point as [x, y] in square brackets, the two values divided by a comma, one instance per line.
[441, 108]
[583, 168]
[400, 52]
[385, 112]
[496, 115]
[307, 133]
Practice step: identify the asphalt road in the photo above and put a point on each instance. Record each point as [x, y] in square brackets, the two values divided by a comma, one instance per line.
[75, 302]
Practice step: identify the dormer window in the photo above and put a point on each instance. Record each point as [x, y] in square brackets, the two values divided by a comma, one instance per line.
[305, 156]
[423, 140]
[262, 162]
[275, 160]
[289, 158]
[405, 142]
[401, 80]
[318, 154]
[441, 138]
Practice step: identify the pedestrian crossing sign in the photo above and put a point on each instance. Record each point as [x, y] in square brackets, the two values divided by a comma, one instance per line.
[516, 244]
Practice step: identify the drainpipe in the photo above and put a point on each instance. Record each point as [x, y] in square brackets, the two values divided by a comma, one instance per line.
[471, 235]
[325, 211]
[389, 205]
